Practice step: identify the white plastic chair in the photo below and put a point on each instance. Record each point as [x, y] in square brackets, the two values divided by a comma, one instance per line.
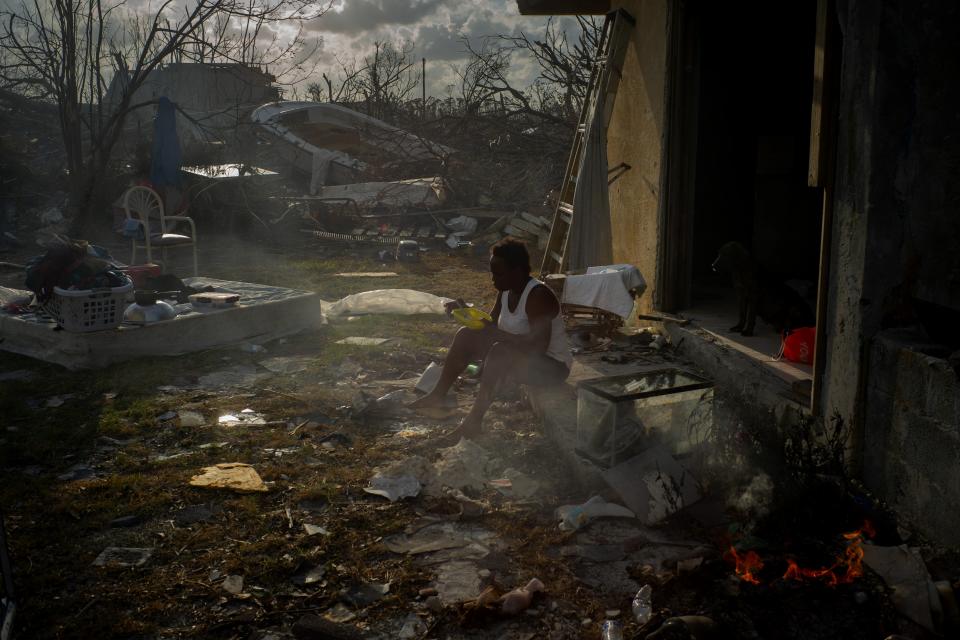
[144, 205]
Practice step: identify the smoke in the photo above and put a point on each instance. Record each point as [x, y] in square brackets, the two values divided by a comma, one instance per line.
[755, 500]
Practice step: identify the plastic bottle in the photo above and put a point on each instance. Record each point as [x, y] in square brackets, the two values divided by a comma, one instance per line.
[611, 630]
[642, 605]
[577, 517]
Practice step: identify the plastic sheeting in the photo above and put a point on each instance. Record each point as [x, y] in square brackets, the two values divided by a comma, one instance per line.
[388, 301]
[165, 161]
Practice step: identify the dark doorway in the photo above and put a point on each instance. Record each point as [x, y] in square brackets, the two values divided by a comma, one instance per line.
[745, 82]
[756, 85]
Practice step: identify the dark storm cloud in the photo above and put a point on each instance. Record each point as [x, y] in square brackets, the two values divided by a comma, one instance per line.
[365, 15]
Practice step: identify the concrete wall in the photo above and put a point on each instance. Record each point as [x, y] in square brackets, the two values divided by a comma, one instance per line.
[635, 136]
[912, 436]
[895, 232]
[895, 205]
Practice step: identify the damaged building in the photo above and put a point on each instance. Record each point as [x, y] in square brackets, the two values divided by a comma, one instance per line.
[332, 376]
[822, 136]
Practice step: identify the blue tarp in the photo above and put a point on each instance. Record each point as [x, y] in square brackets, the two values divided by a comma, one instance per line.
[165, 161]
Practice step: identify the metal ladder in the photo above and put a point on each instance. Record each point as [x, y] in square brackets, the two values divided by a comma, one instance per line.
[605, 77]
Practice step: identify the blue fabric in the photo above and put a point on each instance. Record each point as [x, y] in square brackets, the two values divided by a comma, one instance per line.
[165, 161]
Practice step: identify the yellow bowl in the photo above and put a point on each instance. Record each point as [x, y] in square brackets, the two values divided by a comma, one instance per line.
[471, 317]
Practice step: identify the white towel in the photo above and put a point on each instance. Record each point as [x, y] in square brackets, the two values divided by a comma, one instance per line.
[607, 288]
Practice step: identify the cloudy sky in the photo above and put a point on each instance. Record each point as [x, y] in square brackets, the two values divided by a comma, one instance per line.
[350, 28]
[435, 26]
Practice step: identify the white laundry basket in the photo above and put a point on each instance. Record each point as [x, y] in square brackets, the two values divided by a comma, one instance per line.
[84, 310]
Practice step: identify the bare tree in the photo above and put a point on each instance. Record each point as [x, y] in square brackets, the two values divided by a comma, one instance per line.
[556, 95]
[63, 51]
[387, 77]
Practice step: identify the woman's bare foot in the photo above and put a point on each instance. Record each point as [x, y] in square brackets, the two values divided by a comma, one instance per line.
[430, 401]
[470, 427]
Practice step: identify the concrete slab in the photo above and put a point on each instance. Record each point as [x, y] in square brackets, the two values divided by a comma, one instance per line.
[763, 347]
[752, 383]
[263, 313]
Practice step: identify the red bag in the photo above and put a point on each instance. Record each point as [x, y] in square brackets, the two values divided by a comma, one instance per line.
[798, 345]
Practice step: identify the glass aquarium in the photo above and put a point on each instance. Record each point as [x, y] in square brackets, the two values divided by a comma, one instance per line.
[619, 416]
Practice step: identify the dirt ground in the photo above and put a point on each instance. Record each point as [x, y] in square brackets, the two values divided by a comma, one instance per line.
[136, 461]
[92, 460]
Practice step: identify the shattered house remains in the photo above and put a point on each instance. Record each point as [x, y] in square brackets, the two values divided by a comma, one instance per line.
[822, 140]
[231, 412]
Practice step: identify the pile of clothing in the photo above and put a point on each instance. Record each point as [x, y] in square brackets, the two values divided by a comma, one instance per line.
[73, 264]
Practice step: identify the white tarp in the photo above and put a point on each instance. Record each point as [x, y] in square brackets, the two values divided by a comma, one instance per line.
[388, 301]
[590, 240]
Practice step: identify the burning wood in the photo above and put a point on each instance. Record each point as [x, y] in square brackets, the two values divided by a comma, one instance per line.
[745, 565]
[847, 567]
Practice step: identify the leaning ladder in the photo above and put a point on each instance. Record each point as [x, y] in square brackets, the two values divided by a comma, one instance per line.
[605, 77]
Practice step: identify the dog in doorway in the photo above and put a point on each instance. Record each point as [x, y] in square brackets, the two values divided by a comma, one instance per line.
[759, 295]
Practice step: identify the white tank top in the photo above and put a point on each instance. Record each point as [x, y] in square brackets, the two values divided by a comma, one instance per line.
[517, 323]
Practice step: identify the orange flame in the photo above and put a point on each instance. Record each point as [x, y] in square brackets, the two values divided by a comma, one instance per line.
[847, 567]
[745, 565]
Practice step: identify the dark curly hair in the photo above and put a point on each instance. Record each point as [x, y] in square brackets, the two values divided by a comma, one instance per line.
[513, 252]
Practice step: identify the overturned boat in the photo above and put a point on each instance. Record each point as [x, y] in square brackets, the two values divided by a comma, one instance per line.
[335, 145]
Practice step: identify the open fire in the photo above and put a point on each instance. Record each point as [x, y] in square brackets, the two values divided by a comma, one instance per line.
[847, 567]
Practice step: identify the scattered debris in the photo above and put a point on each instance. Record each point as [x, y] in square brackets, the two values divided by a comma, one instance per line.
[905, 573]
[642, 605]
[516, 484]
[363, 594]
[339, 613]
[233, 584]
[653, 484]
[388, 301]
[310, 576]
[368, 274]
[247, 417]
[429, 378]
[520, 599]
[235, 476]
[123, 557]
[393, 488]
[286, 365]
[361, 341]
[315, 529]
[457, 581]
[574, 516]
[466, 465]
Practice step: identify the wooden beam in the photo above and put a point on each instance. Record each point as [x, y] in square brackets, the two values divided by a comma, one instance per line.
[822, 169]
[563, 7]
[821, 127]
